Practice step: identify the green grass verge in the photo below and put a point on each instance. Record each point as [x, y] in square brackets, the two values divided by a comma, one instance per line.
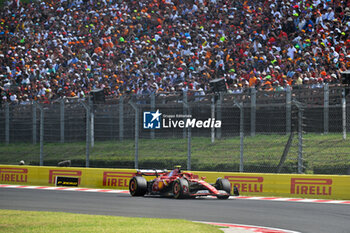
[37, 221]
[322, 154]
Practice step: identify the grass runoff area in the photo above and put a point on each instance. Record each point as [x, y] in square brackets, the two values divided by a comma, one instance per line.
[38, 221]
[322, 154]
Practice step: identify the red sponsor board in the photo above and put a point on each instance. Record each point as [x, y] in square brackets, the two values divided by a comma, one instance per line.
[17, 175]
[117, 179]
[311, 186]
[247, 184]
[66, 173]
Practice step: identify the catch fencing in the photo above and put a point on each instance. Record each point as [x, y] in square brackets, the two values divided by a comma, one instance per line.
[303, 130]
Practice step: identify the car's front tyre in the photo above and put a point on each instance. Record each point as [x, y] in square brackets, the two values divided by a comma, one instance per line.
[223, 184]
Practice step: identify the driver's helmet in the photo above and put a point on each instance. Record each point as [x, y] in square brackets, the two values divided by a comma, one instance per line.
[178, 168]
[175, 171]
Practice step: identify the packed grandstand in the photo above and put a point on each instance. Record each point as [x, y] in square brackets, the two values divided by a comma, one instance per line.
[55, 49]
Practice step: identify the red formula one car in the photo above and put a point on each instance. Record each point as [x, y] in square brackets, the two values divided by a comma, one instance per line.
[178, 184]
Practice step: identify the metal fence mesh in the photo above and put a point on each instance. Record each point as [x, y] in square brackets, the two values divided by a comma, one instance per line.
[290, 132]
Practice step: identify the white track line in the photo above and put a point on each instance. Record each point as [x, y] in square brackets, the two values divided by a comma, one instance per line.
[257, 229]
[293, 200]
[321, 201]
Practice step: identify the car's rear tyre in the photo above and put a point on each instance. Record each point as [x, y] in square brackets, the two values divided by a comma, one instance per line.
[138, 186]
[181, 188]
[223, 184]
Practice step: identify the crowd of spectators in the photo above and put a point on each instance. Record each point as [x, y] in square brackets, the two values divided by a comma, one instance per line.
[66, 48]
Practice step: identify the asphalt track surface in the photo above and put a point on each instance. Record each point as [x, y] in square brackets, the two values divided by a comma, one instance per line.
[302, 217]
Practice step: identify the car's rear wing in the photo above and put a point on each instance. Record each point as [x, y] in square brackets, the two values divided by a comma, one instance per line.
[151, 172]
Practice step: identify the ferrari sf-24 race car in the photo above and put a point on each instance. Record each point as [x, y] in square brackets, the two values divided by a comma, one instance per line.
[178, 184]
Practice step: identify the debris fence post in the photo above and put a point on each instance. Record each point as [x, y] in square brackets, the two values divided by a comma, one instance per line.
[184, 110]
[41, 160]
[92, 123]
[288, 110]
[34, 122]
[189, 144]
[219, 113]
[253, 111]
[7, 123]
[62, 120]
[326, 109]
[121, 118]
[88, 133]
[213, 117]
[241, 135]
[189, 132]
[153, 106]
[135, 107]
[344, 113]
[300, 136]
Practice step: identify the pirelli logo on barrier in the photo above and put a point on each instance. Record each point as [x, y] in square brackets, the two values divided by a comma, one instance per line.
[247, 184]
[311, 186]
[70, 173]
[13, 175]
[117, 179]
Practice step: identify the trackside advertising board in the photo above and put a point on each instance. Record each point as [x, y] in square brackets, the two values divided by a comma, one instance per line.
[286, 185]
[249, 184]
[87, 177]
